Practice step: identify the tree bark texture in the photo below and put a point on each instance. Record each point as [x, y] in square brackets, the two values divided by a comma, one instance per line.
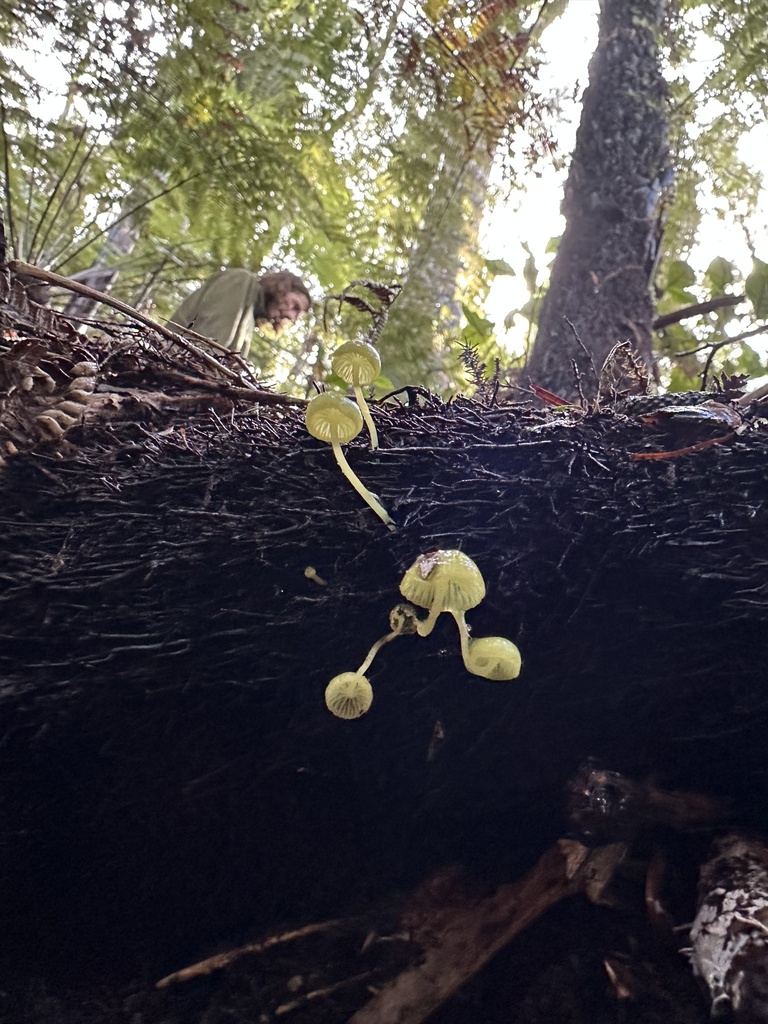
[602, 272]
[413, 346]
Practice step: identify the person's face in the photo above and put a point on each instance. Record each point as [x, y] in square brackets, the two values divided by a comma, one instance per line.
[290, 306]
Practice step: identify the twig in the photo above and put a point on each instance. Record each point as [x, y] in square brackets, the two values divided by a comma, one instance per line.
[727, 341]
[708, 365]
[267, 397]
[697, 309]
[122, 217]
[30, 253]
[699, 447]
[584, 349]
[220, 960]
[320, 993]
[577, 379]
[7, 178]
[753, 396]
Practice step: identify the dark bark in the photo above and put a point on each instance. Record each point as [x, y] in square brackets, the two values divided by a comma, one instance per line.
[601, 275]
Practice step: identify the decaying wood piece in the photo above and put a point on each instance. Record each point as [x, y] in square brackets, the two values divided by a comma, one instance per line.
[458, 942]
[729, 937]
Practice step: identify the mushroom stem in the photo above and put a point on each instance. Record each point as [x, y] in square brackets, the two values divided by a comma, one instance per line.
[401, 624]
[425, 626]
[366, 412]
[374, 651]
[311, 573]
[361, 489]
[461, 622]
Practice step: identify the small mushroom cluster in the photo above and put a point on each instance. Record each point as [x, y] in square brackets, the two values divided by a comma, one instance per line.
[440, 581]
[449, 581]
[337, 420]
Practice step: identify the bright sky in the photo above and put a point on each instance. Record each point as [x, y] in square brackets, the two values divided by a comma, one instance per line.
[534, 217]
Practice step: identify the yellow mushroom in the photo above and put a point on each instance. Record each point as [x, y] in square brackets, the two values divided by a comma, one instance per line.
[336, 420]
[449, 581]
[443, 581]
[492, 657]
[358, 364]
[348, 695]
[311, 573]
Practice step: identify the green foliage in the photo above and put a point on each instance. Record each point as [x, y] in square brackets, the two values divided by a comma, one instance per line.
[756, 288]
[478, 329]
[499, 268]
[680, 277]
[714, 342]
[720, 274]
[343, 140]
[717, 57]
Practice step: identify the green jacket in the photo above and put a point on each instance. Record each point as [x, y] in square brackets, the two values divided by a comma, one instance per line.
[224, 309]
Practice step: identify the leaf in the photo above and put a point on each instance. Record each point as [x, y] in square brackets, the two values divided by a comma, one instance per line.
[499, 268]
[719, 274]
[333, 382]
[680, 276]
[530, 310]
[478, 323]
[531, 274]
[756, 287]
[748, 361]
[679, 380]
[433, 9]
[553, 244]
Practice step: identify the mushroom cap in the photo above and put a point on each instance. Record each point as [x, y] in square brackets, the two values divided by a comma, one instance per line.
[348, 695]
[449, 579]
[331, 418]
[356, 362]
[493, 657]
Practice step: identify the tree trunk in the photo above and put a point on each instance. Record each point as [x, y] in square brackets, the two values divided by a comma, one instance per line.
[429, 308]
[446, 246]
[602, 273]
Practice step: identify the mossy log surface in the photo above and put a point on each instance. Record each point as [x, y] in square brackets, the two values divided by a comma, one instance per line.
[172, 781]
